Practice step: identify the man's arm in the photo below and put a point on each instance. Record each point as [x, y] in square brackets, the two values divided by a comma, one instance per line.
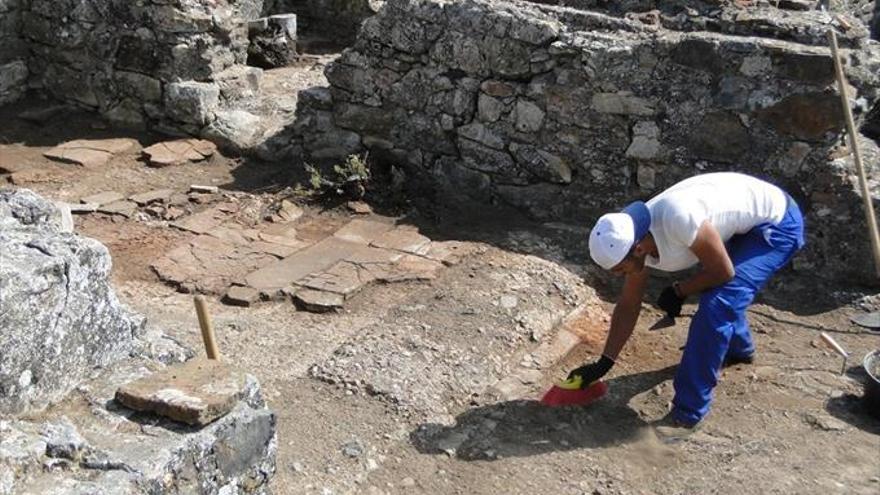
[626, 313]
[717, 266]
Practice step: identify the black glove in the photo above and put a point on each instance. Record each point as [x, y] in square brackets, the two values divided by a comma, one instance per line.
[589, 373]
[670, 302]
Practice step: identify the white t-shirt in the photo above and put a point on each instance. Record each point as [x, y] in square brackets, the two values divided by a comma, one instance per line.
[733, 203]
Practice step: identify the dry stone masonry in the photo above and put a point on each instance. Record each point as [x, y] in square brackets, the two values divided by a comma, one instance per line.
[564, 112]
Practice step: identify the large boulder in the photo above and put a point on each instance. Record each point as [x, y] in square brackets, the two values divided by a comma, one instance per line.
[59, 317]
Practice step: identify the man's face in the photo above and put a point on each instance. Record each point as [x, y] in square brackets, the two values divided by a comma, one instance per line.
[633, 263]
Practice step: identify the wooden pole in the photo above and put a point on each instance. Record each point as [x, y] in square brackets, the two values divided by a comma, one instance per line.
[207, 329]
[857, 156]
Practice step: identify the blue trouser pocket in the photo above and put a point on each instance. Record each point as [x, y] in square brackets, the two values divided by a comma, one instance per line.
[720, 327]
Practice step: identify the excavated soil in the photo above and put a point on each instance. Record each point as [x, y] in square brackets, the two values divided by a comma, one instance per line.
[789, 423]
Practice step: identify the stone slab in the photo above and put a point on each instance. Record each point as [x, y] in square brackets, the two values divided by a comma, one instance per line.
[201, 222]
[403, 239]
[80, 156]
[343, 278]
[152, 196]
[241, 296]
[83, 207]
[103, 198]
[362, 231]
[124, 208]
[209, 265]
[412, 267]
[179, 151]
[318, 301]
[282, 233]
[312, 259]
[90, 152]
[359, 207]
[196, 392]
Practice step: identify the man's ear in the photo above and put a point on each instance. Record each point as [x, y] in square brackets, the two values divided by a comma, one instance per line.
[640, 249]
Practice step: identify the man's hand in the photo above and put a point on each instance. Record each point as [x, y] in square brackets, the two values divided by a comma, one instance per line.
[592, 372]
[670, 302]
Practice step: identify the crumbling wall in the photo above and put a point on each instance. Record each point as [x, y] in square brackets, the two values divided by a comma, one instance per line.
[565, 113]
[13, 53]
[172, 65]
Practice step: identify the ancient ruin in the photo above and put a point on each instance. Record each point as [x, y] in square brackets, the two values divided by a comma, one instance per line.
[386, 206]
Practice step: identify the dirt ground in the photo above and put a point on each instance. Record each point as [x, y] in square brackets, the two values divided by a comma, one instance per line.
[789, 423]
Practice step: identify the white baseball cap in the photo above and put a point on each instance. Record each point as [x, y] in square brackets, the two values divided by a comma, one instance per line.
[615, 233]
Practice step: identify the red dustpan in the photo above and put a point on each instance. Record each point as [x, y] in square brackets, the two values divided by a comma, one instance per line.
[570, 393]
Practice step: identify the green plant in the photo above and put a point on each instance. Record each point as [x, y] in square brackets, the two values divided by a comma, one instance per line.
[351, 178]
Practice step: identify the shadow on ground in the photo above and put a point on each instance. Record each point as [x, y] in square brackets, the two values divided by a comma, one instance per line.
[523, 428]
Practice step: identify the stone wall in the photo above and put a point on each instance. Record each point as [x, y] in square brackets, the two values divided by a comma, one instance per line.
[172, 65]
[13, 53]
[565, 112]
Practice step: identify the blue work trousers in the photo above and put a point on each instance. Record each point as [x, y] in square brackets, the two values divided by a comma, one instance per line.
[719, 328]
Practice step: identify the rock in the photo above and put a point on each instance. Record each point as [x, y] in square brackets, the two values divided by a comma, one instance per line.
[181, 151]
[623, 103]
[200, 223]
[63, 440]
[13, 81]
[645, 144]
[353, 449]
[123, 208]
[90, 153]
[235, 129]
[74, 306]
[318, 301]
[241, 296]
[204, 189]
[197, 392]
[541, 164]
[790, 163]
[362, 231]
[66, 216]
[529, 116]
[824, 422]
[406, 240]
[508, 301]
[83, 207]
[289, 212]
[103, 198]
[192, 102]
[359, 207]
[272, 41]
[158, 195]
[407, 483]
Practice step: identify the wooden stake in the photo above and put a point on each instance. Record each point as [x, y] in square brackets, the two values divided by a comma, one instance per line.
[207, 328]
[857, 156]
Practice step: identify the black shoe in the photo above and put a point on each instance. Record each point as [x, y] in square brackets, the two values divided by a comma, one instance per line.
[734, 360]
